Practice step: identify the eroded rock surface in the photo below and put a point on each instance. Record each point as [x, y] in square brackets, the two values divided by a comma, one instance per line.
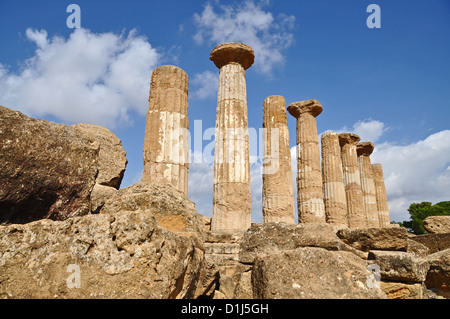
[123, 255]
[49, 170]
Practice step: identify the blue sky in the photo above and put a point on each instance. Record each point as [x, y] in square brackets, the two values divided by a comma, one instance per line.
[390, 85]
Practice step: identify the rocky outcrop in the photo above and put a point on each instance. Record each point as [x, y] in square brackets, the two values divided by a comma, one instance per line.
[438, 277]
[400, 266]
[123, 255]
[49, 170]
[437, 224]
[171, 207]
[312, 272]
[262, 239]
[434, 242]
[366, 239]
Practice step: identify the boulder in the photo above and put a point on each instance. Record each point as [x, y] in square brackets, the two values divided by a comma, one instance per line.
[49, 170]
[438, 277]
[399, 266]
[171, 207]
[366, 239]
[401, 290]
[437, 224]
[417, 248]
[112, 160]
[312, 273]
[267, 237]
[124, 255]
[434, 242]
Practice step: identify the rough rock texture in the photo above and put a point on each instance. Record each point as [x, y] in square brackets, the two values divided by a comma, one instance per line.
[166, 149]
[312, 272]
[278, 190]
[310, 203]
[231, 186]
[438, 276]
[49, 170]
[401, 290]
[417, 248]
[434, 242]
[437, 224]
[375, 238]
[124, 255]
[112, 160]
[400, 266]
[265, 238]
[112, 163]
[171, 207]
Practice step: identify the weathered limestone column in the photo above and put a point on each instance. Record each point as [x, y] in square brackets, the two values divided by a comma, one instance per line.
[335, 200]
[231, 189]
[380, 190]
[278, 192]
[309, 177]
[352, 180]
[363, 150]
[166, 149]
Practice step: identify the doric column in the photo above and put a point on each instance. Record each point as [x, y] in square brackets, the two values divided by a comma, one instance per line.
[363, 150]
[333, 180]
[278, 192]
[352, 180]
[309, 177]
[166, 149]
[231, 189]
[380, 190]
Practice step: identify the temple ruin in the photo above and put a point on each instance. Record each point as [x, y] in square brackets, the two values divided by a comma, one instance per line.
[336, 183]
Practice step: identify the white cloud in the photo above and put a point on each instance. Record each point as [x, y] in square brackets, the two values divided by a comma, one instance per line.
[89, 77]
[415, 172]
[248, 23]
[369, 130]
[206, 84]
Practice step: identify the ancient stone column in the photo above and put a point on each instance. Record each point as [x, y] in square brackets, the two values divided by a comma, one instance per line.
[166, 149]
[231, 189]
[352, 180]
[335, 200]
[278, 192]
[309, 177]
[380, 191]
[363, 150]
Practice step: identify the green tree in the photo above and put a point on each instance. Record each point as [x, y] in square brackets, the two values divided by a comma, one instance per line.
[420, 211]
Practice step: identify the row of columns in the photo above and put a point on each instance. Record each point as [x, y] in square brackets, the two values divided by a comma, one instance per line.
[346, 190]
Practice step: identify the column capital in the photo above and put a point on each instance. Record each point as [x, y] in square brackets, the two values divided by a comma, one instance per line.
[312, 107]
[364, 148]
[348, 138]
[227, 53]
[328, 133]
